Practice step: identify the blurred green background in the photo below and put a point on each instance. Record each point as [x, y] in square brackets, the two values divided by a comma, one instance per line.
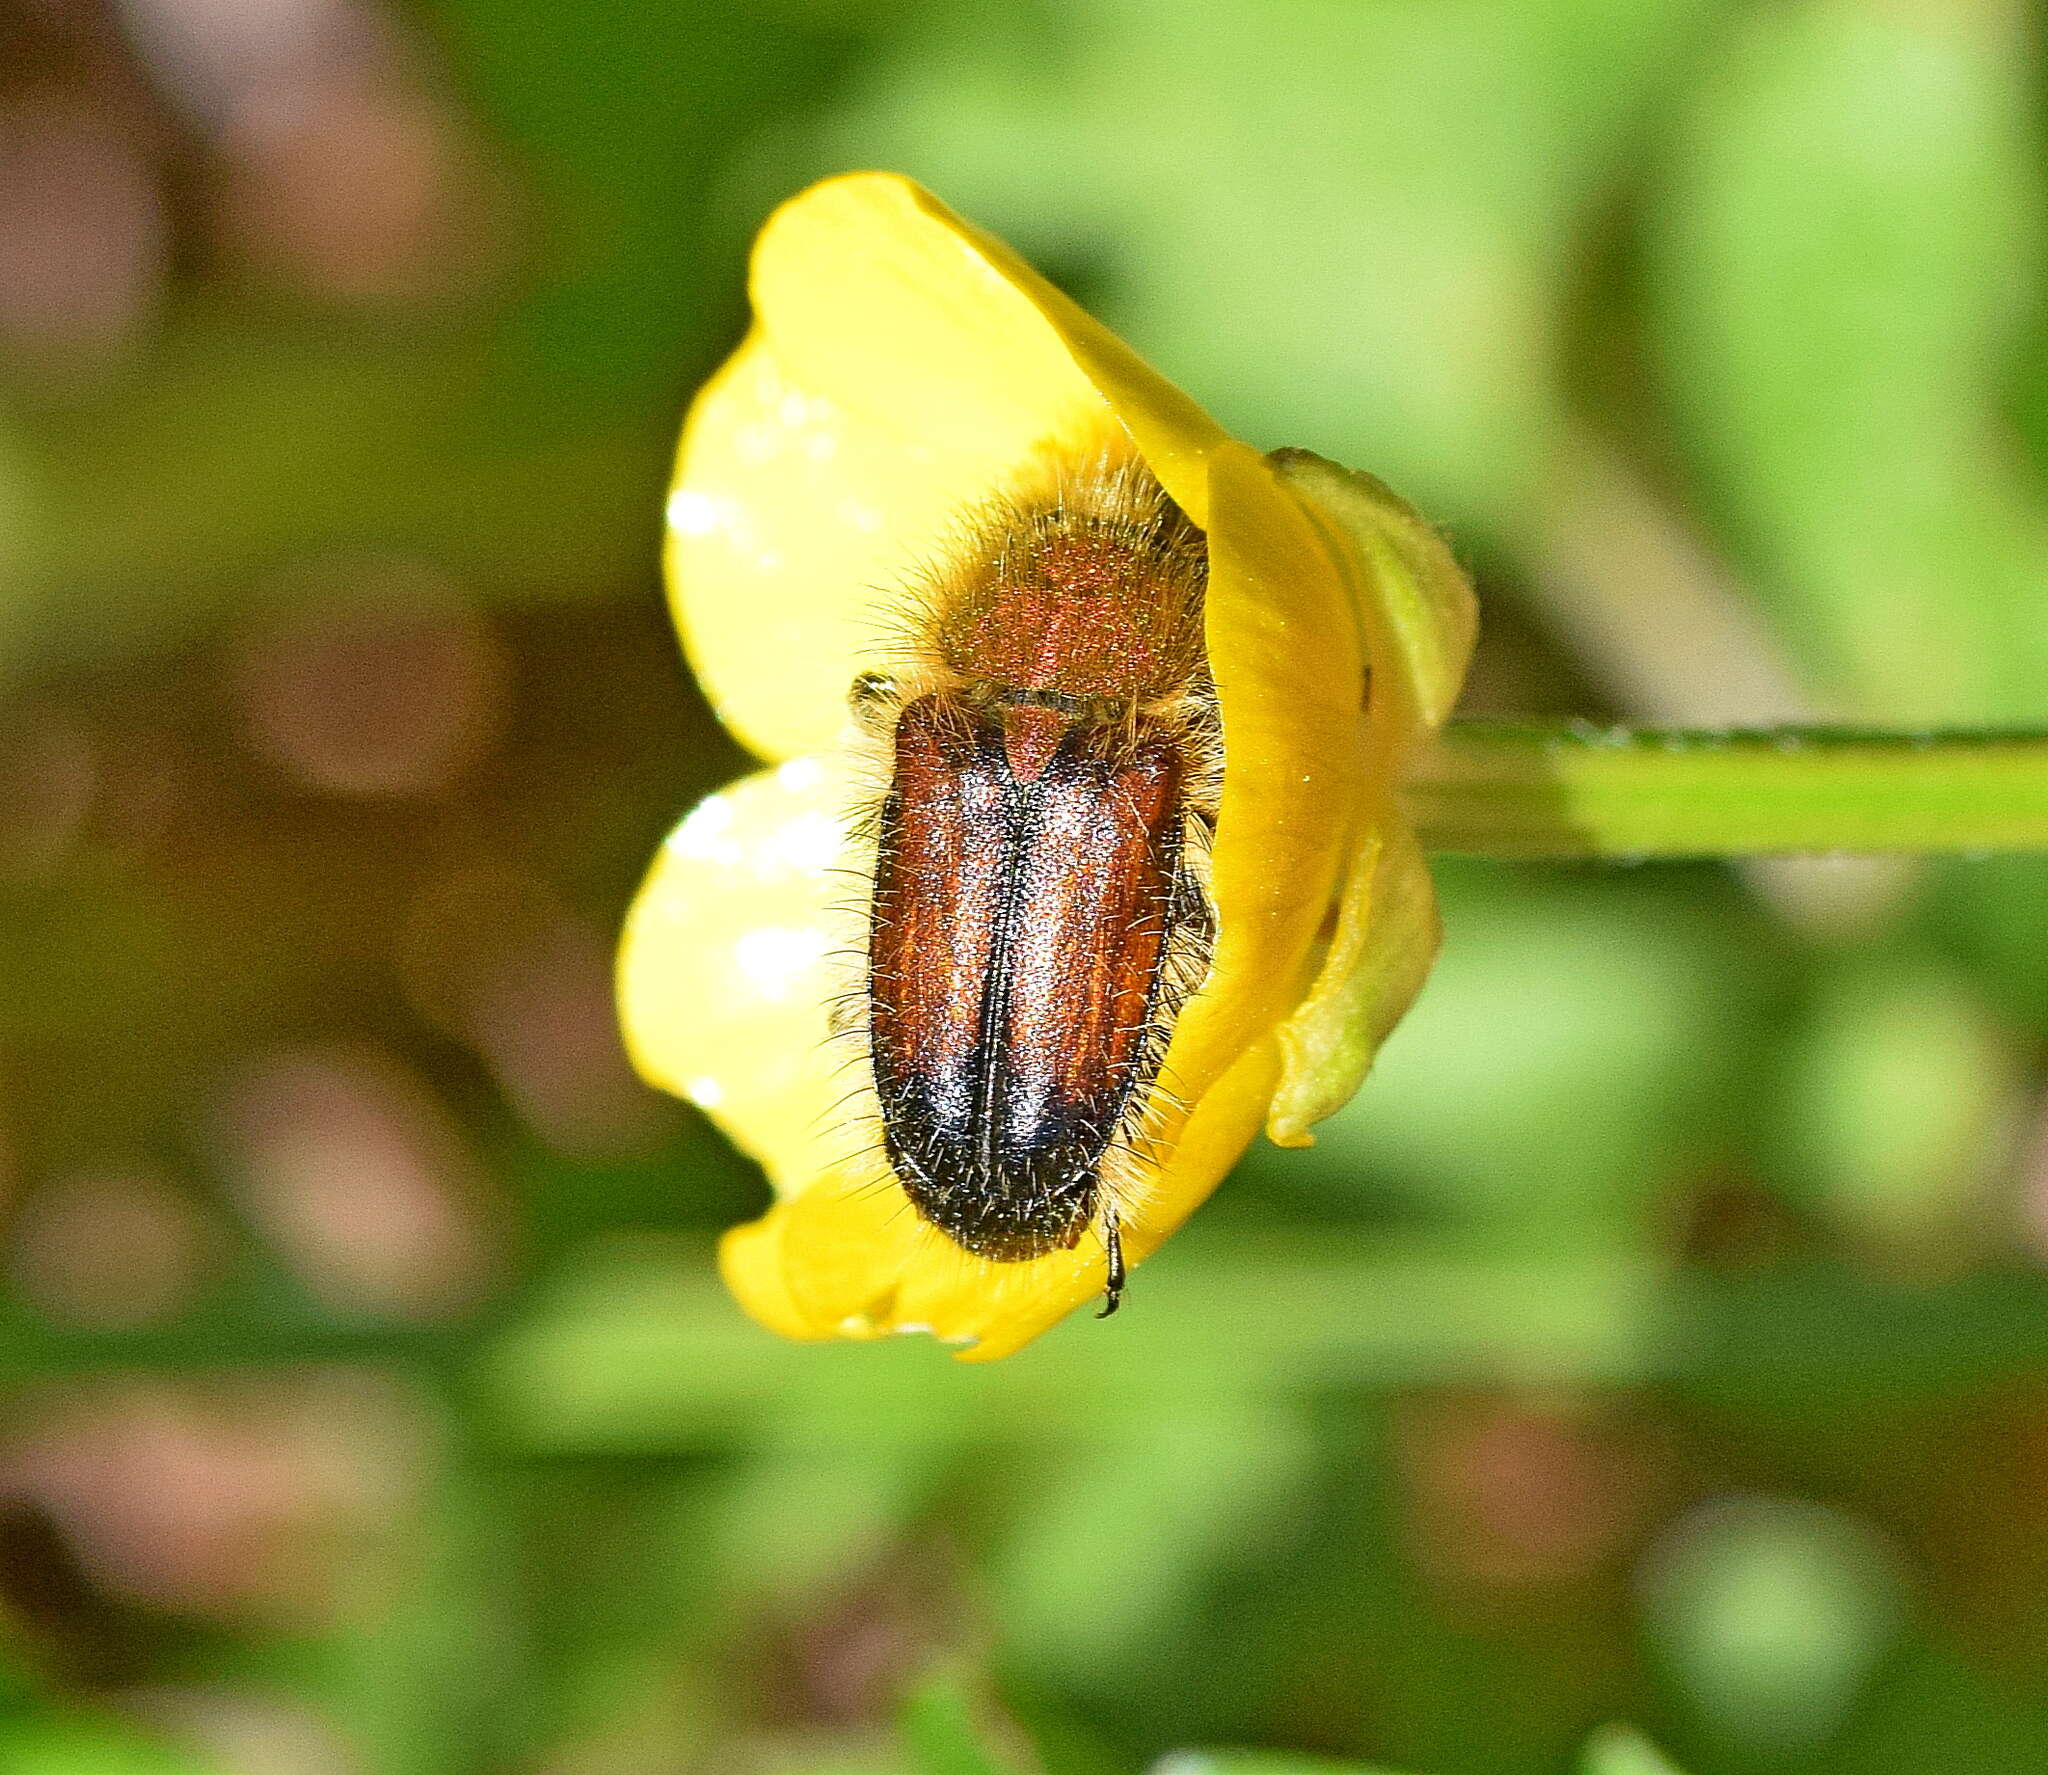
[1661, 1341]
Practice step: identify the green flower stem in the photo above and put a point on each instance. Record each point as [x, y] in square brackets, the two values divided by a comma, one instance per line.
[1581, 790]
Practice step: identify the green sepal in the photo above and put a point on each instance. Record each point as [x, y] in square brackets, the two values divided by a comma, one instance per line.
[1379, 955]
[1417, 620]
[1417, 614]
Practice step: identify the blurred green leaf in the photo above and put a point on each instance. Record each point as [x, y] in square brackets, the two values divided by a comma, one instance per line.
[629, 121]
[329, 442]
[795, 1516]
[948, 1729]
[1106, 1543]
[1842, 249]
[638, 1349]
[1257, 1762]
[1621, 1750]
[1903, 1101]
[1771, 1615]
[80, 1744]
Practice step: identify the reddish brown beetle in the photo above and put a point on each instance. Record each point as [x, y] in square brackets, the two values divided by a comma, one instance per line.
[1039, 915]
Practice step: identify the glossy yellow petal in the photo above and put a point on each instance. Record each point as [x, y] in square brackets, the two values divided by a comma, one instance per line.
[732, 955]
[900, 368]
[1290, 679]
[750, 1260]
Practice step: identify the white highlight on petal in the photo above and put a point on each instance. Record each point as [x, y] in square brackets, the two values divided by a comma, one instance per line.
[707, 832]
[705, 1093]
[809, 843]
[692, 512]
[775, 958]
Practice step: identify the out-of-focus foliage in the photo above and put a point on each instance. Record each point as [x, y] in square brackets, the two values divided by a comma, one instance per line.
[1660, 1339]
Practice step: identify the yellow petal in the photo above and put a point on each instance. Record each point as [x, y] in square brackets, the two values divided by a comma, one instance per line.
[1284, 649]
[901, 367]
[750, 1260]
[731, 957]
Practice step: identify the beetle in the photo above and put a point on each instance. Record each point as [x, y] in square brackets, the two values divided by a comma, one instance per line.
[1038, 913]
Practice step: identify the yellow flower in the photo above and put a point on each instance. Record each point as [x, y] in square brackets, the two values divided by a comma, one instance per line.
[901, 366]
